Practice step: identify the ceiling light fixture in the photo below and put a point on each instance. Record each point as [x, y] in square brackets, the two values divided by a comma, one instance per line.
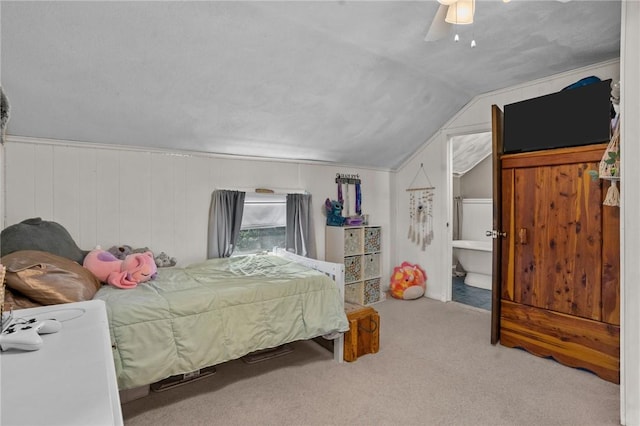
[460, 12]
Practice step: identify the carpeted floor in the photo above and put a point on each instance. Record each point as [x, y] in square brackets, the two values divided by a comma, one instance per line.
[435, 367]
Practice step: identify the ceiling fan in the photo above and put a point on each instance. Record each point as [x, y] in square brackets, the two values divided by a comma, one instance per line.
[450, 12]
[454, 12]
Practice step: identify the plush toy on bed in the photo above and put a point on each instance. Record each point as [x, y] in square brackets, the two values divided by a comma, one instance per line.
[163, 260]
[128, 273]
[408, 281]
[120, 252]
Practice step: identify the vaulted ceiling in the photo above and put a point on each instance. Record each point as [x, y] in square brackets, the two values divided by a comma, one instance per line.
[350, 82]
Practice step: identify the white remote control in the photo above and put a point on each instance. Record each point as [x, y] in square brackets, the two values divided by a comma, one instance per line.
[25, 336]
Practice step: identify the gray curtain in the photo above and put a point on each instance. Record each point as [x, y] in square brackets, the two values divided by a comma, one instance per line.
[457, 218]
[225, 218]
[299, 231]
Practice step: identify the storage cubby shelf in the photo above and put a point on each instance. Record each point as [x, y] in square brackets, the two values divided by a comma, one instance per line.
[359, 249]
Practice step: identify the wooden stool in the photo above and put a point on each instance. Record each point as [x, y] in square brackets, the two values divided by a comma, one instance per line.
[363, 336]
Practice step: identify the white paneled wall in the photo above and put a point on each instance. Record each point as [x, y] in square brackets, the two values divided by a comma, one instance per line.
[629, 212]
[118, 195]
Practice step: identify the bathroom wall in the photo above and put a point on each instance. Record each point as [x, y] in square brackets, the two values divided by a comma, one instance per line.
[477, 219]
[478, 182]
[457, 186]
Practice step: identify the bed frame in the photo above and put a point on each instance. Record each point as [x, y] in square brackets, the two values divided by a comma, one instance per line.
[335, 271]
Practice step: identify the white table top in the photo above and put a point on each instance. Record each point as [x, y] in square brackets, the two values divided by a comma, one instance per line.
[70, 380]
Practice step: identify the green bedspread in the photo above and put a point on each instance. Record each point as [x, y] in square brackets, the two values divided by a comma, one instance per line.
[215, 311]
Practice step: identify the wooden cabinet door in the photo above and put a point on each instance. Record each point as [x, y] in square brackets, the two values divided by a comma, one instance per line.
[562, 247]
[558, 239]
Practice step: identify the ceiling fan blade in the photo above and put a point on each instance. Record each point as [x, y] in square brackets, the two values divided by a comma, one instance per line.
[439, 28]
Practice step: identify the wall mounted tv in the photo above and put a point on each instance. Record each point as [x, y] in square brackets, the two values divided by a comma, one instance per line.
[571, 117]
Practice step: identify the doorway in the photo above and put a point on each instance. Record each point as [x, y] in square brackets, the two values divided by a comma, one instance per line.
[471, 181]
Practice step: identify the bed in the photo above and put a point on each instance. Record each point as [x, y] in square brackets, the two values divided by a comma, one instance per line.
[206, 313]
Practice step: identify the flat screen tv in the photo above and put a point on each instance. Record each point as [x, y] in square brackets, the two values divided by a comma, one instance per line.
[571, 117]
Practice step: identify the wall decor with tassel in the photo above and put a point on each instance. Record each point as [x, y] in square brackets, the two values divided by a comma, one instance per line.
[609, 168]
[421, 212]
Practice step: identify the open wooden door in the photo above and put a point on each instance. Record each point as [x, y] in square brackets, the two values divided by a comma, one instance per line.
[497, 121]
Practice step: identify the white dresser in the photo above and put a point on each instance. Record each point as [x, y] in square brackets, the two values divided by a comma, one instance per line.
[70, 380]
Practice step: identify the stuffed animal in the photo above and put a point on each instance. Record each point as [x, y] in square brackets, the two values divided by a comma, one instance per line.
[163, 260]
[128, 273]
[408, 281]
[120, 252]
[334, 213]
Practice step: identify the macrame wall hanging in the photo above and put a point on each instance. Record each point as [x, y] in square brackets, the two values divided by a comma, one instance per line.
[421, 211]
[610, 167]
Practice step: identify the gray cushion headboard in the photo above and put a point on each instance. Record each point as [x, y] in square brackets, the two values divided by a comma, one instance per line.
[38, 234]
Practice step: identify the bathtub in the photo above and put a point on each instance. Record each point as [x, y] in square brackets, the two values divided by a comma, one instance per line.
[475, 257]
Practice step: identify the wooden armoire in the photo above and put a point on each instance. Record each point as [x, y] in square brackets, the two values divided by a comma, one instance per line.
[560, 292]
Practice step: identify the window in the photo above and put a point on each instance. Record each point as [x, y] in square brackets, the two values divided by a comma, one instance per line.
[263, 223]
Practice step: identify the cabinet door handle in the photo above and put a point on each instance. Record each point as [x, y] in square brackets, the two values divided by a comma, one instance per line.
[522, 236]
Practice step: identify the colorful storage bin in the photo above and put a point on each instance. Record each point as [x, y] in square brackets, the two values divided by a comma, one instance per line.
[372, 240]
[371, 291]
[363, 292]
[352, 269]
[371, 265]
[352, 241]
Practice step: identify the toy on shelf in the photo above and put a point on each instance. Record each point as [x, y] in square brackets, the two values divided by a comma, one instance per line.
[334, 213]
[354, 221]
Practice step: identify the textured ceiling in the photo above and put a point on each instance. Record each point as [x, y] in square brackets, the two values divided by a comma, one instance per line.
[468, 150]
[346, 82]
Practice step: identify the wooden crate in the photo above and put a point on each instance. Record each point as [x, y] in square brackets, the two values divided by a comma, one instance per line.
[363, 336]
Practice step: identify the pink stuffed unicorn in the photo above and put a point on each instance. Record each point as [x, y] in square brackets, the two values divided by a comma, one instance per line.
[128, 273]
